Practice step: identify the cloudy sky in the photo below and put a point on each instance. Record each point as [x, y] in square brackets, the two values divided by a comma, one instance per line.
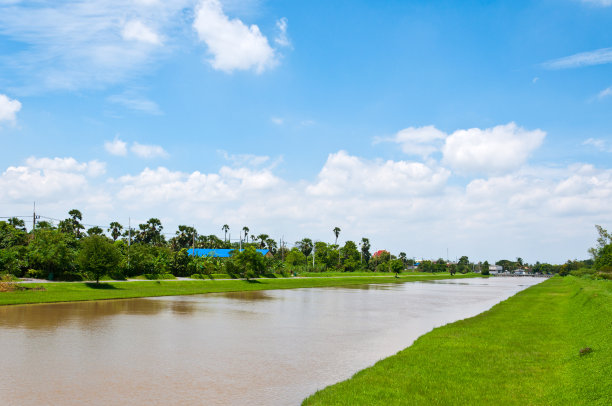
[481, 128]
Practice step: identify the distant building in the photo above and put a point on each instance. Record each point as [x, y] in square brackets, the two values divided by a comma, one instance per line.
[495, 269]
[220, 252]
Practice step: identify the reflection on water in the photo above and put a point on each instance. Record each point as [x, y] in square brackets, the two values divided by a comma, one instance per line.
[256, 348]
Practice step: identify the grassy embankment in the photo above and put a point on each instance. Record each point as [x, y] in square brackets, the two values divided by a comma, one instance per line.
[525, 350]
[76, 291]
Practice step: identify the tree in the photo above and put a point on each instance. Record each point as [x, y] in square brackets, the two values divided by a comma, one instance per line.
[184, 236]
[402, 256]
[225, 229]
[336, 231]
[305, 245]
[247, 263]
[98, 256]
[115, 230]
[246, 233]
[95, 230]
[72, 225]
[464, 264]
[350, 256]
[44, 225]
[150, 233]
[52, 252]
[365, 249]
[295, 257]
[604, 239]
[484, 268]
[396, 266]
[263, 239]
[18, 223]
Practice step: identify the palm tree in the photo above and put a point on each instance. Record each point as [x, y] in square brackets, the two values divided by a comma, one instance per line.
[246, 233]
[262, 240]
[225, 228]
[336, 231]
[115, 230]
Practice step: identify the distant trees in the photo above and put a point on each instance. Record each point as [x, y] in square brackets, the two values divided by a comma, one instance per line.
[115, 230]
[225, 229]
[98, 256]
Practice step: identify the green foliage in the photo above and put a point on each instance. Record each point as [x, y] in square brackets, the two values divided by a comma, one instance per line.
[604, 258]
[53, 252]
[305, 245]
[295, 257]
[396, 266]
[247, 263]
[98, 256]
[484, 268]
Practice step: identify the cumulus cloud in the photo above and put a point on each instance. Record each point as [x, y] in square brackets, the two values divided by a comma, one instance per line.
[232, 44]
[537, 213]
[345, 174]
[116, 147]
[493, 150]
[597, 57]
[148, 151]
[422, 141]
[8, 108]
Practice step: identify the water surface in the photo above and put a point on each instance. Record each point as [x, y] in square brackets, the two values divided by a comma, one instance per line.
[256, 348]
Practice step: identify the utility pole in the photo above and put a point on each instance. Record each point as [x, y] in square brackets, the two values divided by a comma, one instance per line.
[194, 236]
[34, 218]
[314, 245]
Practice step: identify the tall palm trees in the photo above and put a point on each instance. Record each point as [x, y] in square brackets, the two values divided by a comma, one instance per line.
[246, 233]
[336, 231]
[225, 228]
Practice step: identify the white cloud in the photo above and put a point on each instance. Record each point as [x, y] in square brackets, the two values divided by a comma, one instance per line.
[282, 39]
[598, 143]
[245, 159]
[277, 120]
[148, 151]
[135, 102]
[537, 213]
[116, 147]
[136, 30]
[232, 44]
[8, 108]
[493, 150]
[597, 57]
[344, 174]
[605, 93]
[85, 43]
[422, 141]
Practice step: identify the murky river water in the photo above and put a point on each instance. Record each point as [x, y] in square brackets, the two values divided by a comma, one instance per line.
[252, 348]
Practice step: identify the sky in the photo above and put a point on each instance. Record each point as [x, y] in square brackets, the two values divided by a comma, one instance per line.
[436, 128]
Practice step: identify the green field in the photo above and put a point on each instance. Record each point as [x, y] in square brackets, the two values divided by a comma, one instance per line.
[524, 351]
[75, 291]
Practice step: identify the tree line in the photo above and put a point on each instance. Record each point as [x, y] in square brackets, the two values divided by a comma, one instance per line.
[71, 252]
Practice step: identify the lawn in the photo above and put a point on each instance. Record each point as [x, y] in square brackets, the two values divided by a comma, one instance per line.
[77, 291]
[525, 350]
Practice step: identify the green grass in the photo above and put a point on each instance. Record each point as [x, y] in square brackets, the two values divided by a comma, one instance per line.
[524, 351]
[77, 291]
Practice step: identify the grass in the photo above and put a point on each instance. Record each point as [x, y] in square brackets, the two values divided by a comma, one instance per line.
[79, 291]
[529, 349]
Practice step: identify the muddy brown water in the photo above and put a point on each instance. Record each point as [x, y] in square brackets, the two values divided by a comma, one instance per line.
[248, 348]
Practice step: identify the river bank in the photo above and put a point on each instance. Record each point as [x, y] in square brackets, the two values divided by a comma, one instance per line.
[78, 291]
[549, 344]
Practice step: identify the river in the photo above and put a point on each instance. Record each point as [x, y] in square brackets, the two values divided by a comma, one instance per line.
[247, 348]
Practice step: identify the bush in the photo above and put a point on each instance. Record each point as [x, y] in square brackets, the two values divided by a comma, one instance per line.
[36, 274]
[156, 276]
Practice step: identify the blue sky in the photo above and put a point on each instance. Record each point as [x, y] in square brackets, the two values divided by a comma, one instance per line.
[481, 127]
